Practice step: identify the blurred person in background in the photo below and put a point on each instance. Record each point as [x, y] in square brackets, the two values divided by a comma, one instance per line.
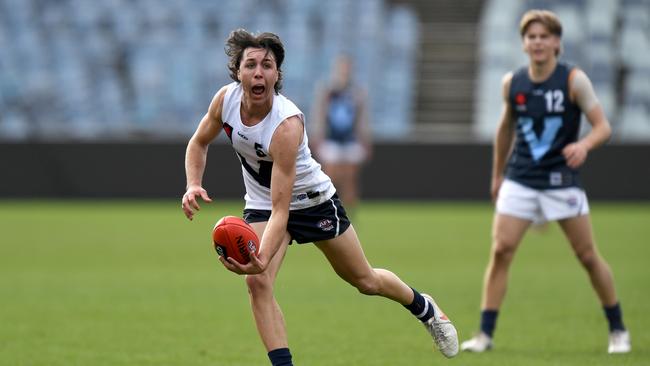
[341, 133]
[537, 137]
[288, 197]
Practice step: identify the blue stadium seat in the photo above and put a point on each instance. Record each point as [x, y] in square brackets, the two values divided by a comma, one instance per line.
[139, 67]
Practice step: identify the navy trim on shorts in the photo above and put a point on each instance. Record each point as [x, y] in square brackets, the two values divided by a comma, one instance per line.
[321, 222]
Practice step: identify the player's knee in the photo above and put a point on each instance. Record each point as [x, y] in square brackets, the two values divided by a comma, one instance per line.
[588, 258]
[367, 285]
[503, 250]
[258, 284]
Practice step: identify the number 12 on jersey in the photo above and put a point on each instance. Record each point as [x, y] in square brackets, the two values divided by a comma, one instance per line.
[554, 100]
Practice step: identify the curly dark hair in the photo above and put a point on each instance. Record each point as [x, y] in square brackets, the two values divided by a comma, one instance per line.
[240, 39]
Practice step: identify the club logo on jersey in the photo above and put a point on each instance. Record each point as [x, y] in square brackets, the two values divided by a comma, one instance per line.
[539, 146]
[520, 98]
[326, 225]
[520, 101]
[242, 135]
[258, 150]
[228, 129]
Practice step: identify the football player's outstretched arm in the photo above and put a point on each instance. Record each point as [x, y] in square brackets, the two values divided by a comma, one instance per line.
[363, 126]
[503, 139]
[582, 92]
[284, 150]
[197, 152]
[317, 125]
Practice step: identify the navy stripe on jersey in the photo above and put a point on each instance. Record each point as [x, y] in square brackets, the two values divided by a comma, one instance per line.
[546, 121]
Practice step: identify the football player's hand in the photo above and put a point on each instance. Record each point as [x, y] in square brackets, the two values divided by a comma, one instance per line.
[575, 154]
[255, 266]
[189, 202]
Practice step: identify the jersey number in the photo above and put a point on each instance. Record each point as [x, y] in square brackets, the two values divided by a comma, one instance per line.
[554, 100]
[263, 177]
[540, 146]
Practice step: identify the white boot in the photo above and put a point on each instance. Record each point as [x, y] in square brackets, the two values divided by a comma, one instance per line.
[479, 343]
[619, 342]
[443, 332]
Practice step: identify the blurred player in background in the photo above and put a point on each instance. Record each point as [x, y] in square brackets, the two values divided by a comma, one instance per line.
[538, 138]
[341, 135]
[288, 197]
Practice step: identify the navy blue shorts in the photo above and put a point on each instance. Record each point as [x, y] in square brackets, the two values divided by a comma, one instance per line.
[322, 222]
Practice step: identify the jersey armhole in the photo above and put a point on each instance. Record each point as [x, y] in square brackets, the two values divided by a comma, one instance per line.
[226, 100]
[506, 87]
[572, 74]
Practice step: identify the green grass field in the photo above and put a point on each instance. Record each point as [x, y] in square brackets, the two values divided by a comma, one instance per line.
[134, 283]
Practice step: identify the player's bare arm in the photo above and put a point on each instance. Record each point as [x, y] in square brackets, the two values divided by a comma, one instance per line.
[364, 132]
[196, 155]
[284, 149]
[503, 139]
[317, 121]
[582, 92]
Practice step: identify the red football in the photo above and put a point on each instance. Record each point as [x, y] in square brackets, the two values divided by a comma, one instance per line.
[233, 237]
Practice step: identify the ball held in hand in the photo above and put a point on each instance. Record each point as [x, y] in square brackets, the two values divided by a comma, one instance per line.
[235, 238]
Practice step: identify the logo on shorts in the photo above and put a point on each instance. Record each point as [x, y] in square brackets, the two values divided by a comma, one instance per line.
[326, 224]
[301, 196]
[572, 201]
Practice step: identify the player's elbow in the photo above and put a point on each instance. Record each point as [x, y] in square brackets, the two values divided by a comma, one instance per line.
[195, 147]
[606, 131]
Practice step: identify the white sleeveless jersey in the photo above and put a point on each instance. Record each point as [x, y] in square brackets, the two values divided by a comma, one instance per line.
[311, 187]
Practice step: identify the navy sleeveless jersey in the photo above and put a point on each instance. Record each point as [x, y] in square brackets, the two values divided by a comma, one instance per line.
[341, 116]
[546, 121]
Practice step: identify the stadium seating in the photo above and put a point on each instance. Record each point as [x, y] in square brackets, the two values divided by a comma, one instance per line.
[147, 69]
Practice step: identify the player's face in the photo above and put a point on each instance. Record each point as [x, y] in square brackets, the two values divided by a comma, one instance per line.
[258, 74]
[540, 44]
